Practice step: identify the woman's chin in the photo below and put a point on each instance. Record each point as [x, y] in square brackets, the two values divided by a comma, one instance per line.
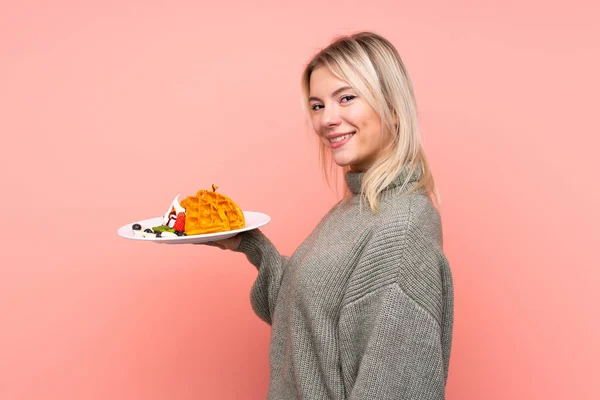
[353, 166]
[342, 161]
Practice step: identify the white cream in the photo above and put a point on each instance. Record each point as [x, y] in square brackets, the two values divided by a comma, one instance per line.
[174, 206]
[168, 235]
[138, 233]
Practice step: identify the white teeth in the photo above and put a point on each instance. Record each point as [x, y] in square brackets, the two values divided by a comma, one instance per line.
[340, 138]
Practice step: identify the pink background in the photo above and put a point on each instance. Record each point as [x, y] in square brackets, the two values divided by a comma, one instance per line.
[110, 108]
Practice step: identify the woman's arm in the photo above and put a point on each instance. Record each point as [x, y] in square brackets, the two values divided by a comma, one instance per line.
[391, 348]
[396, 327]
[270, 264]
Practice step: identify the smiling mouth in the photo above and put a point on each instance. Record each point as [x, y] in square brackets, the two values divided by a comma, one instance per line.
[341, 138]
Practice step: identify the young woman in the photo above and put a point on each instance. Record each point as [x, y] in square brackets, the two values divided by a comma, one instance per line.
[363, 309]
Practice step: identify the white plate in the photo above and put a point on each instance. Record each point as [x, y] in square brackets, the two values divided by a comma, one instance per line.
[253, 219]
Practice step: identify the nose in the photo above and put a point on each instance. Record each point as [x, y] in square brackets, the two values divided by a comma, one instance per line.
[331, 117]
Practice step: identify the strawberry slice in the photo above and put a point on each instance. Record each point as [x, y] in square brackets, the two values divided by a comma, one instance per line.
[180, 222]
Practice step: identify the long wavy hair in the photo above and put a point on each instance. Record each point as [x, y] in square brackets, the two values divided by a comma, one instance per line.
[371, 65]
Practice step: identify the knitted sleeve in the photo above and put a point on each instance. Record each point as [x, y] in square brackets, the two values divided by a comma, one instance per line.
[395, 328]
[270, 264]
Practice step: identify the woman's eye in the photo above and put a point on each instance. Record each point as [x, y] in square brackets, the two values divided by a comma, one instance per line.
[346, 99]
[316, 107]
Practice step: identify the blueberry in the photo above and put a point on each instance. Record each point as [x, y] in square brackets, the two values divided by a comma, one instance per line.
[179, 233]
[148, 230]
[136, 227]
[159, 234]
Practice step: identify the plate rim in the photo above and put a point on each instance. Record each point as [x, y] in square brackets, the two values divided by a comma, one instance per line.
[193, 237]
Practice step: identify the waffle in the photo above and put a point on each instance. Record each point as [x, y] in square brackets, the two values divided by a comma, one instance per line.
[210, 212]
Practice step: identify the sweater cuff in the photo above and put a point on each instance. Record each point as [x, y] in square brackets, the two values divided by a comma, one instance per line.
[255, 245]
[250, 241]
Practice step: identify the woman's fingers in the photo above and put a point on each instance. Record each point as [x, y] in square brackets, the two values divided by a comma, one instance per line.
[226, 244]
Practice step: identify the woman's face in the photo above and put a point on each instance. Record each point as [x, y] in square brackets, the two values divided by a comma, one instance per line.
[347, 124]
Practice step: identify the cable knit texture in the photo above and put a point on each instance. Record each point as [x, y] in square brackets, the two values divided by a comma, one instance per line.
[363, 309]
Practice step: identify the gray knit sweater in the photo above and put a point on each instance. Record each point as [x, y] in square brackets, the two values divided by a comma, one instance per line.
[363, 309]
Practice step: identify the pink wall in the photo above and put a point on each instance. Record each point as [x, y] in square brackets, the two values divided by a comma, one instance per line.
[93, 98]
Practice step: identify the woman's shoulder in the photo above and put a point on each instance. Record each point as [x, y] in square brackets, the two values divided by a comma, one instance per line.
[404, 248]
[412, 215]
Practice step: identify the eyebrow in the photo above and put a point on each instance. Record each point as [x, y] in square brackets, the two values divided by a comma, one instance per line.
[335, 93]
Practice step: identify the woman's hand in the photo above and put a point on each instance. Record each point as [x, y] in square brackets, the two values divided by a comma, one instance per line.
[231, 243]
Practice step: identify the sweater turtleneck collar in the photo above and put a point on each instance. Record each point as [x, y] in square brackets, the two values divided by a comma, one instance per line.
[354, 179]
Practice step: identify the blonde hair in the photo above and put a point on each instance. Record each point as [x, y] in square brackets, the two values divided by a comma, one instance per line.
[373, 67]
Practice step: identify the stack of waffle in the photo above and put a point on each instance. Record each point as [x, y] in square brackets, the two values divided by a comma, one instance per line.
[210, 212]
